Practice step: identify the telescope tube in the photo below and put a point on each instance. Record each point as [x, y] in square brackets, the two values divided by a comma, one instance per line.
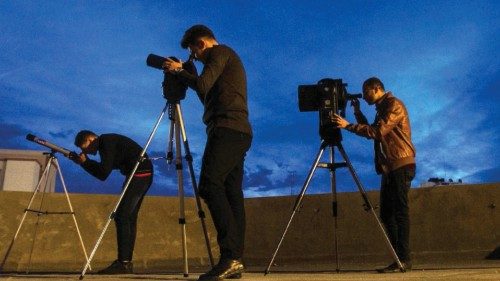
[52, 146]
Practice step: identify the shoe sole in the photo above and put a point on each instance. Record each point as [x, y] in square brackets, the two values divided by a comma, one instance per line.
[235, 276]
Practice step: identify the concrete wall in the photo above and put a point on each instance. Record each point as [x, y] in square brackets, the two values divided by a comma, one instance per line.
[459, 222]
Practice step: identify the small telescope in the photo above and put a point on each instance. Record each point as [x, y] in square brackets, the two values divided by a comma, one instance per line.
[174, 89]
[52, 146]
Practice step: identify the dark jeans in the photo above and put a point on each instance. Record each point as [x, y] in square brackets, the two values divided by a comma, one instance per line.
[126, 216]
[394, 209]
[220, 185]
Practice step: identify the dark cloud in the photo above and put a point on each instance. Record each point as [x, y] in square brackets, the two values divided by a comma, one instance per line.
[261, 180]
[489, 175]
[62, 134]
[12, 135]
[10, 131]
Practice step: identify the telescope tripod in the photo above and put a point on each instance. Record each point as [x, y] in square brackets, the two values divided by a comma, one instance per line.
[51, 161]
[332, 166]
[177, 125]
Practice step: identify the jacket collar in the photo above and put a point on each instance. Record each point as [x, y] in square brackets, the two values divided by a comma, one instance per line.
[379, 103]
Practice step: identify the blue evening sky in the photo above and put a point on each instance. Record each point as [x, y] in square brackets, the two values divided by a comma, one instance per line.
[72, 65]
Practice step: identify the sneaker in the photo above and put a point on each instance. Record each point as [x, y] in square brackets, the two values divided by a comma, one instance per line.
[393, 268]
[118, 267]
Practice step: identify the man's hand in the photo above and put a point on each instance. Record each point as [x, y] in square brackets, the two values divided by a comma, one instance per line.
[172, 66]
[355, 105]
[78, 158]
[341, 122]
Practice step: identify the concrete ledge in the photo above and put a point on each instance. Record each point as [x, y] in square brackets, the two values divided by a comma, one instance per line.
[449, 225]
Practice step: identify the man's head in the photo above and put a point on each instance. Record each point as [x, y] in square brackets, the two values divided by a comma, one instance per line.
[198, 39]
[87, 142]
[373, 90]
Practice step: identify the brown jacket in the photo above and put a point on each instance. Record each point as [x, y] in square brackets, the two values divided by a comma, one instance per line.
[391, 132]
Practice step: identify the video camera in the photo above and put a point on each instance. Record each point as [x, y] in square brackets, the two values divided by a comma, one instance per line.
[328, 96]
[174, 90]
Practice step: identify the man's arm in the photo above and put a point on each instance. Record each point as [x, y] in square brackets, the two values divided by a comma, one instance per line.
[360, 117]
[386, 123]
[103, 169]
[212, 69]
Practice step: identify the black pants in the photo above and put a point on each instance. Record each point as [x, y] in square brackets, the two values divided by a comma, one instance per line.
[394, 210]
[220, 185]
[126, 216]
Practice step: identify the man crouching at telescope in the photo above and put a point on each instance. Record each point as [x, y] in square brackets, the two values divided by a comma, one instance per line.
[118, 152]
[394, 160]
[222, 89]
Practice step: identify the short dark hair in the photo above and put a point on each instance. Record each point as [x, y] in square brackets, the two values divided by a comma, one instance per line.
[194, 33]
[373, 82]
[82, 135]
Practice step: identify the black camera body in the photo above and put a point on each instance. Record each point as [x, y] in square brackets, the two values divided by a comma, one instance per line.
[328, 96]
[174, 89]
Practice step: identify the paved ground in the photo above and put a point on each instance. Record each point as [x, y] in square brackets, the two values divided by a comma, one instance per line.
[445, 270]
[434, 275]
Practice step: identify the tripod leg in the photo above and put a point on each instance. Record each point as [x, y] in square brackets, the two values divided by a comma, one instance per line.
[129, 179]
[180, 184]
[170, 154]
[334, 206]
[35, 191]
[189, 159]
[39, 213]
[71, 210]
[369, 207]
[297, 205]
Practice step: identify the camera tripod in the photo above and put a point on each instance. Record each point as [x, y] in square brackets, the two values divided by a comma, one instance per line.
[177, 126]
[51, 161]
[332, 166]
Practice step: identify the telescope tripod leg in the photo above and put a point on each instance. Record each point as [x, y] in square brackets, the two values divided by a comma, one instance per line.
[39, 213]
[369, 207]
[52, 161]
[33, 195]
[189, 159]
[333, 184]
[170, 153]
[298, 202]
[56, 163]
[180, 184]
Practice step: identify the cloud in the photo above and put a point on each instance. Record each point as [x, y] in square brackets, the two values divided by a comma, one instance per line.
[12, 135]
[62, 134]
[90, 73]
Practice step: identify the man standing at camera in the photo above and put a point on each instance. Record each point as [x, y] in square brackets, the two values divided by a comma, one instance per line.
[118, 152]
[394, 160]
[222, 89]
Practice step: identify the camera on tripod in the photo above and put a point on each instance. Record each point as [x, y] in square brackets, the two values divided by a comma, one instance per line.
[174, 89]
[328, 96]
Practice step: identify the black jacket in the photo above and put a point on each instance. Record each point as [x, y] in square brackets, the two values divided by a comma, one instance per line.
[222, 88]
[116, 152]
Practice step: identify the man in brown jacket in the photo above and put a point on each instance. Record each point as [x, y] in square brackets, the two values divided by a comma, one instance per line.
[394, 160]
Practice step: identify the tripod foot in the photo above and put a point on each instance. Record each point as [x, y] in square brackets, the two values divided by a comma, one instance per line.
[81, 277]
